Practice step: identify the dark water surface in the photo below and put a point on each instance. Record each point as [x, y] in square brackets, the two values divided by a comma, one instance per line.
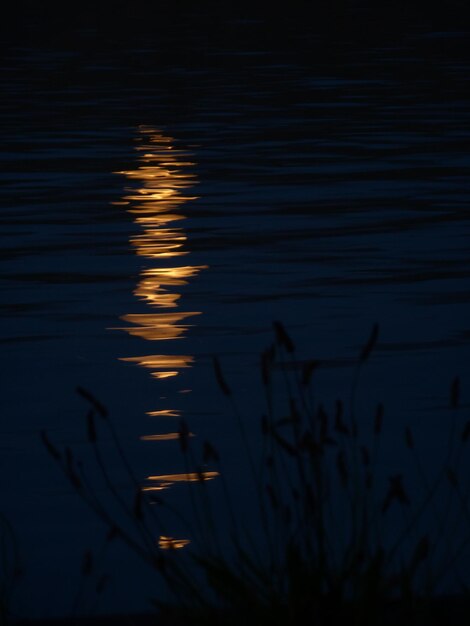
[168, 192]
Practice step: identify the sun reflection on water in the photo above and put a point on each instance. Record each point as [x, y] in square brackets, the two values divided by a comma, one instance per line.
[169, 543]
[163, 481]
[159, 188]
[160, 185]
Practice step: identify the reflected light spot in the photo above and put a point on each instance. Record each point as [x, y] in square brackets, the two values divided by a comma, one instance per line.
[173, 276]
[163, 437]
[164, 413]
[157, 326]
[147, 291]
[169, 543]
[184, 478]
[160, 360]
[165, 374]
[159, 220]
[156, 334]
[157, 319]
[160, 487]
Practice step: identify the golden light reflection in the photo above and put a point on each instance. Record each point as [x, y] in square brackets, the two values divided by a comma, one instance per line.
[160, 360]
[169, 374]
[163, 481]
[169, 543]
[163, 437]
[151, 287]
[159, 188]
[164, 413]
[158, 326]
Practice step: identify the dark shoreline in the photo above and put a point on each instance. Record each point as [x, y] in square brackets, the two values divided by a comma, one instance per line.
[446, 611]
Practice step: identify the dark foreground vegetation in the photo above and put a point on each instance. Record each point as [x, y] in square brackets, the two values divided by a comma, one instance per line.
[333, 538]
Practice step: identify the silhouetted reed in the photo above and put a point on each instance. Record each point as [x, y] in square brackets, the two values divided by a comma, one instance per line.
[332, 536]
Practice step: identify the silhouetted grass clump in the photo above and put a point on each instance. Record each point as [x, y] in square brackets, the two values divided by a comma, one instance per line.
[332, 537]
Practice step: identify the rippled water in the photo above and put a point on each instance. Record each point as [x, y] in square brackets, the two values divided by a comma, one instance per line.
[166, 196]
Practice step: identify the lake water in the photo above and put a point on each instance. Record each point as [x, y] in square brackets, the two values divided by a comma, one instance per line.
[167, 194]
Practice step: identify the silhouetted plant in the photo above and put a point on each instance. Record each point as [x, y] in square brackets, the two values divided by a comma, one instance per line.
[322, 550]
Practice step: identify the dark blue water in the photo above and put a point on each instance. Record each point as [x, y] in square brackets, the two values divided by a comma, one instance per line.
[167, 194]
